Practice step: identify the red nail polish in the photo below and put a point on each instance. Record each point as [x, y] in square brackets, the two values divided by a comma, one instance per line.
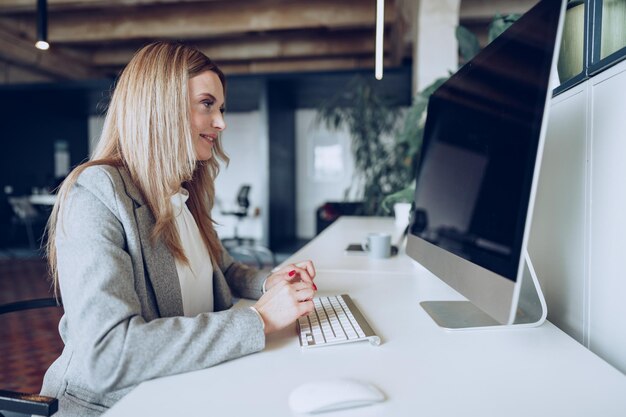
[315, 287]
[292, 273]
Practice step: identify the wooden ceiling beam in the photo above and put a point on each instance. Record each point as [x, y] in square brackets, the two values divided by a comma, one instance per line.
[30, 6]
[299, 65]
[54, 62]
[261, 47]
[216, 19]
[289, 65]
[397, 45]
[485, 10]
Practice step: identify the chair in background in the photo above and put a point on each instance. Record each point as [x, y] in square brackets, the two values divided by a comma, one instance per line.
[240, 212]
[25, 214]
[245, 249]
[17, 404]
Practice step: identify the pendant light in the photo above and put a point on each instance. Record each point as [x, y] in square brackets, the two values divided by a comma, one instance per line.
[42, 25]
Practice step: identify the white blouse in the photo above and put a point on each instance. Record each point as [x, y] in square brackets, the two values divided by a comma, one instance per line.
[196, 279]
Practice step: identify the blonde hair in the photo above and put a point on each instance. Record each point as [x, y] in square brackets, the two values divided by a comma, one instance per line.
[148, 121]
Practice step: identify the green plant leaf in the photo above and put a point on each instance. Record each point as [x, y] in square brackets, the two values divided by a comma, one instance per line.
[468, 43]
[501, 23]
[405, 195]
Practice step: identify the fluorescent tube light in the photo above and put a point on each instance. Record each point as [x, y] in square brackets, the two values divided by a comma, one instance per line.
[380, 29]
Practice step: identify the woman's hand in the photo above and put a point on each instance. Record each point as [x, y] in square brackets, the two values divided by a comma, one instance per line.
[301, 271]
[284, 303]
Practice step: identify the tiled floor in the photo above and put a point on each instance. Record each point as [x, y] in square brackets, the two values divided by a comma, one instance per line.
[29, 340]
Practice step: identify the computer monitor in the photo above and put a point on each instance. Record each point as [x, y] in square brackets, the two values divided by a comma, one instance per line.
[477, 175]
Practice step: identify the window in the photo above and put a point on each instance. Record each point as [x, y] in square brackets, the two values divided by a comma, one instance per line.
[572, 57]
[609, 33]
[594, 39]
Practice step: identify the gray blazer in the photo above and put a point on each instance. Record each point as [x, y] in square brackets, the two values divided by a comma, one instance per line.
[123, 321]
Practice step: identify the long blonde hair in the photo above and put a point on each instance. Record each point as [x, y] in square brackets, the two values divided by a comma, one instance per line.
[147, 130]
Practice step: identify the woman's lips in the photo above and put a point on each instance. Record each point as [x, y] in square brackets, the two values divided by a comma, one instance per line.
[210, 137]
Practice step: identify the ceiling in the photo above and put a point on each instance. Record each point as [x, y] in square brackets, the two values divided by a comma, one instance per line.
[93, 39]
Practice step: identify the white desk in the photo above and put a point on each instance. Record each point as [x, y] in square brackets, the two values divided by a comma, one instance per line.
[43, 199]
[328, 249]
[423, 370]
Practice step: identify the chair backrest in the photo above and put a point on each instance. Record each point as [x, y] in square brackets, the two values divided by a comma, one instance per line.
[13, 404]
[242, 197]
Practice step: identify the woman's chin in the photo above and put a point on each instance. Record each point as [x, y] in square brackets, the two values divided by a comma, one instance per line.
[204, 154]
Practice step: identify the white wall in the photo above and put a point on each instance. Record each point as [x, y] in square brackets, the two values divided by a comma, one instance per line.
[578, 239]
[95, 125]
[434, 41]
[316, 186]
[607, 217]
[557, 238]
[246, 145]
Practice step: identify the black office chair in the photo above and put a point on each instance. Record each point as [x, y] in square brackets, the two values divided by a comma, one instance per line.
[241, 212]
[244, 249]
[17, 404]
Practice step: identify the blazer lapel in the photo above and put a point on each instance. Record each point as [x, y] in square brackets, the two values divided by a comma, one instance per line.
[158, 260]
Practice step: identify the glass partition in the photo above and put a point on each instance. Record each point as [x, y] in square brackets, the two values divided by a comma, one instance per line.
[571, 57]
[609, 34]
[613, 33]
[594, 39]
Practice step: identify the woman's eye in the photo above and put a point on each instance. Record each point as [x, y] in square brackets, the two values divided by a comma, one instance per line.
[222, 110]
[208, 103]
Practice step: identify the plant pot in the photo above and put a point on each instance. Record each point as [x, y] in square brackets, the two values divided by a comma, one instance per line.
[401, 212]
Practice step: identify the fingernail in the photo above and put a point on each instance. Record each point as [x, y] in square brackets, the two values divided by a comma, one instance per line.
[315, 287]
[292, 273]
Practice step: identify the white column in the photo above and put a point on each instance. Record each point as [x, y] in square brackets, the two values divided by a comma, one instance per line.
[435, 52]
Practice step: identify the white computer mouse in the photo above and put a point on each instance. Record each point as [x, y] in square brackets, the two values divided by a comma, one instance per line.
[333, 394]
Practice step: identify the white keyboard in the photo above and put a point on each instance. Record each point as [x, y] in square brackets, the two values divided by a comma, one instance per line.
[336, 319]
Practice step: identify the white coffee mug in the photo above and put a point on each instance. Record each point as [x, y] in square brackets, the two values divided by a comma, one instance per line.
[378, 245]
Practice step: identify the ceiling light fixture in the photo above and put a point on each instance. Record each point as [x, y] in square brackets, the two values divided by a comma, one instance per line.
[380, 29]
[42, 25]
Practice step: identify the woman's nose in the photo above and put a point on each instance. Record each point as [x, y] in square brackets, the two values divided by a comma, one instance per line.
[218, 122]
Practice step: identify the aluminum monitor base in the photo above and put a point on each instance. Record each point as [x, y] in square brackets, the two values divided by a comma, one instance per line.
[530, 310]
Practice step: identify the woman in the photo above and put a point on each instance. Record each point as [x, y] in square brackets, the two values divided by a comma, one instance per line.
[145, 282]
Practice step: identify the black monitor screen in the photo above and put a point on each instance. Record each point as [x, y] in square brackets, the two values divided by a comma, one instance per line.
[480, 145]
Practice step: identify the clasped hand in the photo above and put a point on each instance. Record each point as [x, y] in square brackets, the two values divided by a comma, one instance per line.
[288, 296]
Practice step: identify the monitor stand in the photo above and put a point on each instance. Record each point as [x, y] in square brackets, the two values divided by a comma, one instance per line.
[463, 315]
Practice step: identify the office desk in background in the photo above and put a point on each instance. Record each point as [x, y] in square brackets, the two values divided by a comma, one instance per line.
[43, 199]
[423, 369]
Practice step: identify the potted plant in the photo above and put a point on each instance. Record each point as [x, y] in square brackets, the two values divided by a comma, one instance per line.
[411, 133]
[371, 122]
[409, 139]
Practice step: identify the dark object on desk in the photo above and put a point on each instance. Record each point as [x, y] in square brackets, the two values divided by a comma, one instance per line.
[14, 404]
[330, 211]
[357, 249]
